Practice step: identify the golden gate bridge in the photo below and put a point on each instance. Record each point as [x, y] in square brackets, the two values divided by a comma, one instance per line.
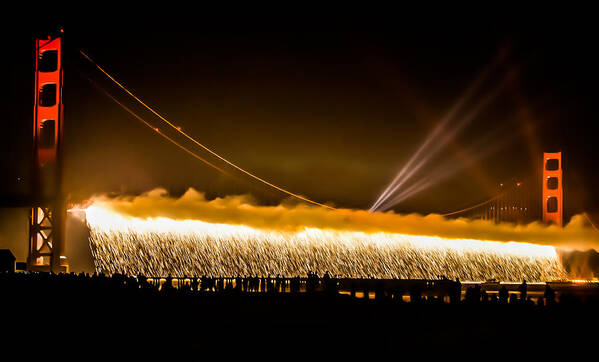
[515, 202]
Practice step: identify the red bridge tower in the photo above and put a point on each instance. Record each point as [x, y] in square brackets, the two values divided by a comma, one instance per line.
[553, 193]
[48, 212]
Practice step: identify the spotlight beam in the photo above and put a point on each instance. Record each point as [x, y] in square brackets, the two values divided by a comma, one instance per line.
[463, 99]
[406, 175]
[474, 154]
[433, 135]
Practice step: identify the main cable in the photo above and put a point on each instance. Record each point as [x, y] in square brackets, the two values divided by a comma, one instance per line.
[199, 144]
[146, 123]
[475, 206]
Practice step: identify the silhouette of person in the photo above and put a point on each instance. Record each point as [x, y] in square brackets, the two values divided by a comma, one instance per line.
[484, 296]
[326, 279]
[523, 290]
[540, 302]
[503, 295]
[456, 291]
[277, 283]
[167, 287]
[549, 294]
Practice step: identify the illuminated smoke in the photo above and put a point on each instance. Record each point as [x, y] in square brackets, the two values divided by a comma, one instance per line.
[581, 264]
[157, 235]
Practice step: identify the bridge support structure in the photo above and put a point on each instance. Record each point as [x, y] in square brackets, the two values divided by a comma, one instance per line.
[553, 192]
[48, 212]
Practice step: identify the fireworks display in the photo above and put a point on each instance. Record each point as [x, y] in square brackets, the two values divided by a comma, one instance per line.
[162, 246]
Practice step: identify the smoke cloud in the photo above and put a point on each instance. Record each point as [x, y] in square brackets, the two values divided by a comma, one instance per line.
[243, 210]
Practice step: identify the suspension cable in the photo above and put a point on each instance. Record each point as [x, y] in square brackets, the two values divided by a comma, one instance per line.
[146, 123]
[198, 143]
[475, 206]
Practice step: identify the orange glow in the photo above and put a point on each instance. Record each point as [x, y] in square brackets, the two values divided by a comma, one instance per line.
[161, 246]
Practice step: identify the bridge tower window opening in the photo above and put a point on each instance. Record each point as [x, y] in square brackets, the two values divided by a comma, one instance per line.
[47, 97]
[552, 204]
[552, 183]
[552, 164]
[48, 61]
[47, 133]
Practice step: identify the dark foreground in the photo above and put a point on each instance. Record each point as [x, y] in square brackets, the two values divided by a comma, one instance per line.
[106, 314]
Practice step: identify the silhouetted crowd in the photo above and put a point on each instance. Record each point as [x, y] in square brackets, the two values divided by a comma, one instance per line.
[435, 291]
[240, 313]
[169, 285]
[475, 294]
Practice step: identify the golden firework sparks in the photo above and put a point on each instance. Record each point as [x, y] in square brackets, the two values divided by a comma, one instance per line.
[164, 246]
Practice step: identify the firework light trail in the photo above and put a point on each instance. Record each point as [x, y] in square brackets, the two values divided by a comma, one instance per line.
[164, 246]
[194, 236]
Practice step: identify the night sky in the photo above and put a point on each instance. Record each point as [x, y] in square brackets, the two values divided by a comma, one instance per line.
[329, 112]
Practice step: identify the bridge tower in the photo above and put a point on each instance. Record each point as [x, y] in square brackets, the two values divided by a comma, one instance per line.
[48, 211]
[553, 193]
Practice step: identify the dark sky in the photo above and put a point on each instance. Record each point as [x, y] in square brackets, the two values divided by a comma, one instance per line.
[331, 112]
